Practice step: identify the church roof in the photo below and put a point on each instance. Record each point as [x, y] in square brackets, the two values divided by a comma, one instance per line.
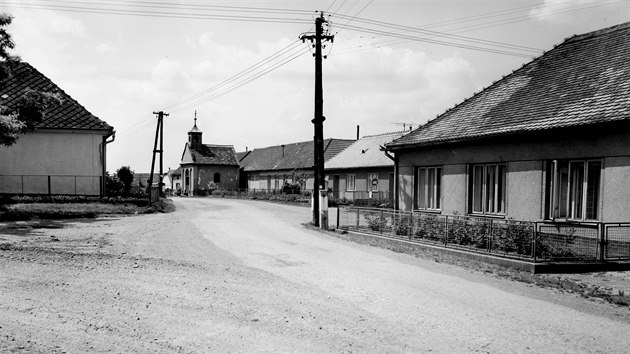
[208, 154]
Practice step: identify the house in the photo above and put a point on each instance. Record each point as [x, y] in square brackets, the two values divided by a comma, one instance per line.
[173, 179]
[271, 167]
[65, 154]
[362, 170]
[206, 167]
[548, 142]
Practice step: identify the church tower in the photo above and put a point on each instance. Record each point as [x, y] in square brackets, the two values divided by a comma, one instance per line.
[194, 136]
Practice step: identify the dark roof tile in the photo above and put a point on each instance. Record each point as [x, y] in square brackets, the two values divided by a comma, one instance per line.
[68, 115]
[583, 81]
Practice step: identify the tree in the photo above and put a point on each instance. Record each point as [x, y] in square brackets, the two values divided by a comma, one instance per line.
[125, 175]
[29, 108]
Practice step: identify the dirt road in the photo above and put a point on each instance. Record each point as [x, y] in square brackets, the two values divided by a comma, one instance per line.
[224, 275]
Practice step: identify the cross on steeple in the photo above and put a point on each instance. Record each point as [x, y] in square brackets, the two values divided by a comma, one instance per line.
[195, 117]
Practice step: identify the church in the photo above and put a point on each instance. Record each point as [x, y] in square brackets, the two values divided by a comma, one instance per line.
[207, 167]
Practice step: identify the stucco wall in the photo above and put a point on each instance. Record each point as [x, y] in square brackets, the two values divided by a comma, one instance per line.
[524, 199]
[72, 160]
[524, 181]
[616, 191]
[454, 189]
[204, 177]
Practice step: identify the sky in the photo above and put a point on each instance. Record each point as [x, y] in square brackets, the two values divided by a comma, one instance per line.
[241, 66]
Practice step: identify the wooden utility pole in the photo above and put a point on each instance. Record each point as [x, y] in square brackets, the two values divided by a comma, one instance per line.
[159, 134]
[318, 120]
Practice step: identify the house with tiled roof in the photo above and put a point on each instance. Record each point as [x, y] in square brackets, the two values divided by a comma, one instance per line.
[207, 167]
[548, 142]
[66, 152]
[362, 170]
[270, 168]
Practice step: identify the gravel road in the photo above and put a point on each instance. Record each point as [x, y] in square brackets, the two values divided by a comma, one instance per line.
[222, 275]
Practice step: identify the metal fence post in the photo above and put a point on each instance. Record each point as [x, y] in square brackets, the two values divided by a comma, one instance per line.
[489, 236]
[380, 221]
[534, 243]
[602, 241]
[357, 228]
[445, 230]
[411, 225]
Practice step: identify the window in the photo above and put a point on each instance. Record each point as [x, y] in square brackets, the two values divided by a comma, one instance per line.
[217, 177]
[350, 183]
[428, 188]
[487, 189]
[372, 182]
[573, 189]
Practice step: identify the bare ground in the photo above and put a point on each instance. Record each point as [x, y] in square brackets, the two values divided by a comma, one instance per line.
[161, 283]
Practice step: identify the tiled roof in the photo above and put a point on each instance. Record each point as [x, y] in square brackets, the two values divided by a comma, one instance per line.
[294, 156]
[214, 155]
[581, 82]
[68, 115]
[364, 152]
[175, 172]
[241, 155]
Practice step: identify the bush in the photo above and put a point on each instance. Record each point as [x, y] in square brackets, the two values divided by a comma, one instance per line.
[401, 224]
[429, 227]
[376, 222]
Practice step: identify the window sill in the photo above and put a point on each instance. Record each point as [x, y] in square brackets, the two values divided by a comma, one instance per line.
[429, 211]
[493, 216]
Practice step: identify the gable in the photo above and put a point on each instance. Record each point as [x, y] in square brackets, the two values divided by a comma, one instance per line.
[67, 115]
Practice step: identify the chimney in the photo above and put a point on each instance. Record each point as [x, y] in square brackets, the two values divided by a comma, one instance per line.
[282, 150]
[357, 132]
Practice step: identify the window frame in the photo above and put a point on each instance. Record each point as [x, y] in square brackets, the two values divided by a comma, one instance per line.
[351, 177]
[431, 188]
[570, 190]
[489, 196]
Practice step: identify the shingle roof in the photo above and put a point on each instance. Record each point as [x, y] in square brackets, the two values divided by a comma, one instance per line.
[68, 115]
[295, 155]
[583, 81]
[364, 152]
[208, 154]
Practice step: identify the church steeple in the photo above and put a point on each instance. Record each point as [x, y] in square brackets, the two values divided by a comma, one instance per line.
[194, 135]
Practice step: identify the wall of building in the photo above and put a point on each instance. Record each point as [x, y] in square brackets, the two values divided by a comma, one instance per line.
[361, 183]
[204, 177]
[525, 173]
[616, 189]
[56, 162]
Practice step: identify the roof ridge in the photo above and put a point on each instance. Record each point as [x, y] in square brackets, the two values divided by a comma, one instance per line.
[383, 134]
[596, 33]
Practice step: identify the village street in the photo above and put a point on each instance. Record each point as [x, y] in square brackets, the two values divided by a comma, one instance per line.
[223, 275]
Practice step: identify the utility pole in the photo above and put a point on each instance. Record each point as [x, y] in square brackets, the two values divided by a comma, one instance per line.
[318, 120]
[159, 133]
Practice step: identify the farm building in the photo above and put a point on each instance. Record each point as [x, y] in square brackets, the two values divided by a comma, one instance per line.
[362, 171]
[271, 167]
[65, 154]
[548, 142]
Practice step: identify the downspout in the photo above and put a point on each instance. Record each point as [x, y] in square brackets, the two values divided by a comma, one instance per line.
[103, 148]
[395, 159]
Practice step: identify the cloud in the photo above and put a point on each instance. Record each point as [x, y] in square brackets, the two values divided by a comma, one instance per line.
[105, 48]
[559, 10]
[51, 23]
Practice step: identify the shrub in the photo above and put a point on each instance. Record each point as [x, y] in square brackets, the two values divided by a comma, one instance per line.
[401, 224]
[430, 227]
[376, 222]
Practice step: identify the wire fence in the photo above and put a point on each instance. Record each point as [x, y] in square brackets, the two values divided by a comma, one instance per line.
[51, 184]
[533, 241]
